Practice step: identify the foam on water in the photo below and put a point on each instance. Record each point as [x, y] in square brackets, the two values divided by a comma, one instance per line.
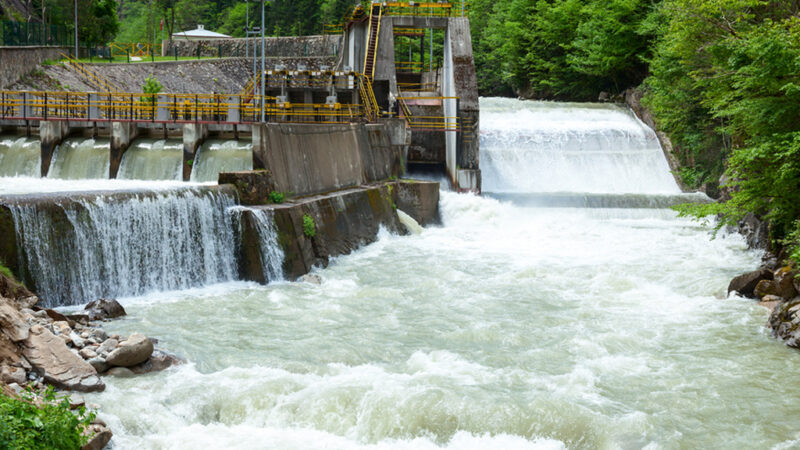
[81, 158]
[19, 156]
[216, 155]
[153, 159]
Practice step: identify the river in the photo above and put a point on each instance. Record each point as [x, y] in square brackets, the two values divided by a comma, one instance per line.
[541, 315]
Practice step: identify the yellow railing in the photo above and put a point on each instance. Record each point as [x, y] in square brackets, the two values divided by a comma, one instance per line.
[135, 49]
[417, 87]
[398, 31]
[429, 123]
[92, 78]
[333, 28]
[428, 9]
[372, 48]
[408, 66]
[179, 108]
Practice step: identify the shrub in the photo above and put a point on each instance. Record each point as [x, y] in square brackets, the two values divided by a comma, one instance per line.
[309, 227]
[277, 197]
[49, 426]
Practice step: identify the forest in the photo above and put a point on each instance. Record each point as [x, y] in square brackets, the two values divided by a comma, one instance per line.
[722, 77]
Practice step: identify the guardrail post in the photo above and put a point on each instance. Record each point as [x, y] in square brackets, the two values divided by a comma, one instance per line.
[3, 105]
[45, 106]
[196, 105]
[131, 114]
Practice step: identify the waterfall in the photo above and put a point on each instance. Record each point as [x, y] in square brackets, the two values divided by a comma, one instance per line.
[545, 147]
[270, 252]
[19, 156]
[216, 156]
[79, 248]
[81, 158]
[150, 159]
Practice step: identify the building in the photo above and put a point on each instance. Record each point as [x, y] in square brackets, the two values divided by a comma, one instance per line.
[200, 33]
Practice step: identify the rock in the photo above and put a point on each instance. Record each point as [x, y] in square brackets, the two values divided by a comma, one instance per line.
[99, 421]
[311, 278]
[770, 302]
[253, 186]
[104, 309]
[57, 316]
[134, 350]
[79, 318]
[745, 284]
[755, 231]
[10, 288]
[98, 363]
[76, 340]
[784, 283]
[13, 375]
[158, 361]
[100, 439]
[765, 287]
[122, 372]
[42, 314]
[87, 353]
[61, 327]
[12, 322]
[785, 322]
[63, 369]
[99, 334]
[76, 401]
[107, 346]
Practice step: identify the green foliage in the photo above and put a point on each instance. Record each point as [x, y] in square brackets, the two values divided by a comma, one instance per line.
[569, 49]
[309, 226]
[49, 426]
[151, 86]
[277, 197]
[5, 271]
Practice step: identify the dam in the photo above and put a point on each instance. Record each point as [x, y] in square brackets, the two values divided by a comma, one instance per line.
[566, 306]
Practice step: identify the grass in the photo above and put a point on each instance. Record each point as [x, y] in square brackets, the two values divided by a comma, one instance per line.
[6, 271]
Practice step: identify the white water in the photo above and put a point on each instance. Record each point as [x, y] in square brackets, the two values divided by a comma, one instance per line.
[19, 156]
[153, 159]
[81, 249]
[510, 326]
[81, 158]
[271, 253]
[216, 156]
[568, 147]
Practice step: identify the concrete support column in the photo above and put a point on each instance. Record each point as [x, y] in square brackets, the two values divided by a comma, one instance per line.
[193, 136]
[122, 134]
[259, 135]
[51, 133]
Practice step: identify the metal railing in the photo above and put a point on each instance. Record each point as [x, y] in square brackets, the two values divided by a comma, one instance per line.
[15, 34]
[418, 87]
[92, 78]
[135, 49]
[454, 8]
[168, 108]
[408, 66]
[428, 123]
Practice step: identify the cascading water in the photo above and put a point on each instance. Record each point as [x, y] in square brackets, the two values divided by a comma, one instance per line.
[216, 156]
[270, 251]
[19, 156]
[81, 158]
[579, 148]
[85, 247]
[151, 159]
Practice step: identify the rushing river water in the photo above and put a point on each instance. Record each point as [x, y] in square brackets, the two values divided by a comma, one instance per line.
[510, 326]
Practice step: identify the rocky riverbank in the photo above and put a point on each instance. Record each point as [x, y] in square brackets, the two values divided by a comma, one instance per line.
[777, 289]
[41, 347]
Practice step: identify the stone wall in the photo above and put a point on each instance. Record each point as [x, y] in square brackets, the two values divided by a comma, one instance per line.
[17, 61]
[292, 46]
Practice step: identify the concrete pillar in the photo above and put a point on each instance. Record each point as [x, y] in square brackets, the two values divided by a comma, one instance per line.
[259, 135]
[51, 133]
[122, 134]
[193, 136]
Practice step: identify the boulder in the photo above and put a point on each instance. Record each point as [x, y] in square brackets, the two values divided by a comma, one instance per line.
[745, 284]
[784, 283]
[765, 287]
[10, 375]
[158, 361]
[101, 438]
[311, 278]
[104, 309]
[770, 302]
[107, 346]
[253, 186]
[134, 350]
[98, 363]
[10, 288]
[12, 322]
[87, 353]
[785, 322]
[51, 357]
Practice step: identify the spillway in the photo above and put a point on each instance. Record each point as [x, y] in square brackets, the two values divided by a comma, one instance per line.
[81, 158]
[78, 247]
[153, 159]
[19, 156]
[216, 155]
